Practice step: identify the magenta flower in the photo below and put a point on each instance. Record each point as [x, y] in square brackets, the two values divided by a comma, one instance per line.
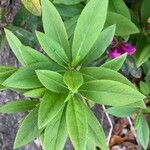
[119, 48]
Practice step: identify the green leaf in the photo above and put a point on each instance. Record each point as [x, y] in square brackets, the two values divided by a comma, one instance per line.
[119, 7]
[145, 11]
[67, 2]
[69, 11]
[115, 64]
[95, 131]
[121, 111]
[124, 26]
[15, 45]
[108, 92]
[73, 79]
[77, 123]
[35, 93]
[101, 44]
[142, 129]
[70, 25]
[18, 106]
[6, 72]
[92, 26]
[53, 81]
[144, 88]
[52, 48]
[31, 56]
[56, 132]
[53, 25]
[26, 78]
[33, 6]
[28, 130]
[51, 104]
[144, 55]
[24, 35]
[101, 73]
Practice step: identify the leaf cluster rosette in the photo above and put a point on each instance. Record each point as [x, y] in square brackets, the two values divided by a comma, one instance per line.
[62, 82]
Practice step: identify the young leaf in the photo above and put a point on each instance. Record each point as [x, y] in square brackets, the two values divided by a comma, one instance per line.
[88, 28]
[56, 132]
[15, 45]
[124, 26]
[31, 56]
[53, 25]
[26, 78]
[49, 107]
[101, 73]
[115, 64]
[101, 44]
[119, 7]
[77, 123]
[142, 129]
[67, 2]
[6, 72]
[95, 130]
[53, 81]
[108, 92]
[144, 55]
[33, 6]
[54, 50]
[73, 80]
[121, 111]
[18, 106]
[28, 130]
[35, 93]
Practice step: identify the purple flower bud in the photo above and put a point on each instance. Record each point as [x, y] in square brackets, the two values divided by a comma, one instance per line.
[119, 48]
[128, 48]
[114, 52]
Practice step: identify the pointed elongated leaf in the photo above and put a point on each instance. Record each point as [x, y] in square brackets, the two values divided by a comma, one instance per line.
[123, 27]
[101, 44]
[31, 56]
[91, 21]
[28, 130]
[143, 132]
[56, 132]
[119, 7]
[73, 80]
[122, 111]
[18, 106]
[6, 72]
[15, 45]
[54, 50]
[144, 55]
[49, 107]
[95, 130]
[53, 81]
[144, 88]
[101, 73]
[33, 6]
[26, 78]
[108, 92]
[115, 64]
[77, 123]
[70, 25]
[68, 2]
[145, 11]
[35, 93]
[53, 24]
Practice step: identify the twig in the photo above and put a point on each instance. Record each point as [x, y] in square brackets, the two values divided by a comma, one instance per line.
[133, 131]
[111, 125]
